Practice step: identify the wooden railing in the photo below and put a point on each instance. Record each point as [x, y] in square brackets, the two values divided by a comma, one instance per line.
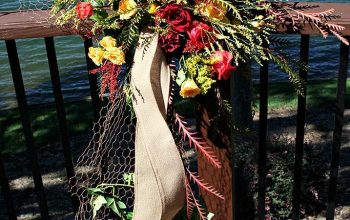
[37, 25]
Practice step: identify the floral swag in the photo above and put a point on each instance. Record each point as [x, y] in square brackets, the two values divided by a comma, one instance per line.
[159, 61]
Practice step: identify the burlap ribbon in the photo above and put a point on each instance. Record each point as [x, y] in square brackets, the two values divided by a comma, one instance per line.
[159, 172]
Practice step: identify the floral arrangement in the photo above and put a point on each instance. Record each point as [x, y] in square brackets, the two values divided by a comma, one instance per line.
[205, 41]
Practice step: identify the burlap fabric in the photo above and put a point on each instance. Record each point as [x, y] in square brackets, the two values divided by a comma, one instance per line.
[159, 171]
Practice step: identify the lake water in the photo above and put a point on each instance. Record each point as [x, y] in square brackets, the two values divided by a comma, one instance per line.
[324, 55]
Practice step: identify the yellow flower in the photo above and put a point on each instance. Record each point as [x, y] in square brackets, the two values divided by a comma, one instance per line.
[189, 89]
[212, 10]
[127, 9]
[108, 41]
[96, 55]
[115, 55]
[153, 8]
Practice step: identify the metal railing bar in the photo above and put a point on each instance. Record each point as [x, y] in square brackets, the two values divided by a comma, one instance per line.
[92, 80]
[27, 130]
[6, 191]
[61, 114]
[300, 130]
[337, 132]
[264, 72]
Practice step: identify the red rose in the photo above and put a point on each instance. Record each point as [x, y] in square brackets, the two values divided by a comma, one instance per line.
[222, 64]
[170, 42]
[84, 10]
[200, 36]
[176, 16]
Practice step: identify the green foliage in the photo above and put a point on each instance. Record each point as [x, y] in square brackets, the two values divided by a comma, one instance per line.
[104, 195]
[129, 178]
[280, 183]
[291, 69]
[44, 124]
[242, 41]
[131, 33]
[196, 67]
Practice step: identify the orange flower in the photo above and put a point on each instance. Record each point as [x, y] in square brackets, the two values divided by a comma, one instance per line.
[211, 10]
[127, 9]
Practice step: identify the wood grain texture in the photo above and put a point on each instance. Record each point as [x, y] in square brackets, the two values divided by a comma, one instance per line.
[36, 24]
[30, 24]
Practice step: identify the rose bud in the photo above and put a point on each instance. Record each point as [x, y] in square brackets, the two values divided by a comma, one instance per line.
[84, 10]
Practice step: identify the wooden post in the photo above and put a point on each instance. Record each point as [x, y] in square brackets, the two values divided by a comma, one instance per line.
[241, 99]
[218, 136]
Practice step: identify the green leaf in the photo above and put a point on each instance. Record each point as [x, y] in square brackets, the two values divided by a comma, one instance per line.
[97, 204]
[129, 215]
[96, 3]
[181, 77]
[112, 205]
[99, 15]
[128, 178]
[121, 205]
[96, 18]
[94, 191]
[109, 201]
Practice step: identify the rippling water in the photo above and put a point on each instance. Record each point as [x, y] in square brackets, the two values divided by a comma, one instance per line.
[324, 55]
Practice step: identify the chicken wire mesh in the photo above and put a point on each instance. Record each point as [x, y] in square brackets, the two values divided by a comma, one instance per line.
[106, 166]
[26, 5]
[42, 12]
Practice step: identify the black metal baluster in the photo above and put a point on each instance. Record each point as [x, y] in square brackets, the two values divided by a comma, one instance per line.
[27, 130]
[61, 114]
[5, 189]
[299, 143]
[264, 72]
[94, 96]
[92, 80]
[337, 133]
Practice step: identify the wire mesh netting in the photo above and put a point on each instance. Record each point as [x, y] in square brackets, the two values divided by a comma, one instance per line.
[26, 5]
[44, 14]
[106, 167]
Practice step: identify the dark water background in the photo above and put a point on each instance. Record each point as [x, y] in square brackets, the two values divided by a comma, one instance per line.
[324, 55]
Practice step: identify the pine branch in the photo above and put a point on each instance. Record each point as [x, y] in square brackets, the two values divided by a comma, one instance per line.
[279, 42]
[340, 37]
[295, 16]
[304, 7]
[285, 66]
[203, 185]
[193, 202]
[199, 144]
[189, 199]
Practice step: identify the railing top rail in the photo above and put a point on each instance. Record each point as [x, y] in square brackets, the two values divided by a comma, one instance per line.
[28, 24]
[37, 24]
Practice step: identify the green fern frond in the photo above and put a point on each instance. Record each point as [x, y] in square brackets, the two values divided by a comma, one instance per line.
[285, 66]
[131, 33]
